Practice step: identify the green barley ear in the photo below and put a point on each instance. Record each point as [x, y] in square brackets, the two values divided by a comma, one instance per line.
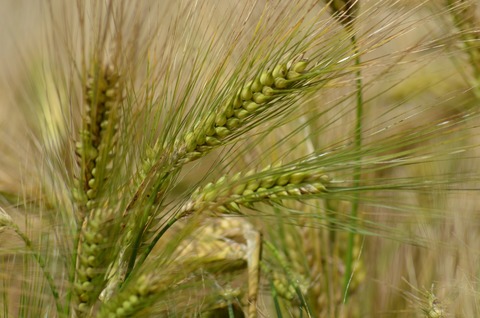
[243, 106]
[96, 150]
[138, 295]
[434, 308]
[96, 145]
[425, 301]
[270, 185]
[94, 257]
[282, 286]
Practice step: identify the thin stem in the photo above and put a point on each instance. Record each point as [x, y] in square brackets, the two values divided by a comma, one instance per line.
[356, 171]
[278, 309]
[231, 314]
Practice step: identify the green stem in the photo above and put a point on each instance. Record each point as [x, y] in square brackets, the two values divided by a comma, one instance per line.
[231, 314]
[278, 309]
[357, 170]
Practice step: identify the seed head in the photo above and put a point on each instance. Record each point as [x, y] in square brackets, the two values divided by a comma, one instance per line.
[249, 100]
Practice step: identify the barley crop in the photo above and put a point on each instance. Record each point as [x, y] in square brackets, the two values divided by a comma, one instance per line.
[248, 158]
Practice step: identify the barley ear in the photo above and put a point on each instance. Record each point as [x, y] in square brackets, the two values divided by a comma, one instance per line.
[94, 258]
[434, 308]
[241, 107]
[133, 299]
[270, 185]
[95, 151]
[96, 146]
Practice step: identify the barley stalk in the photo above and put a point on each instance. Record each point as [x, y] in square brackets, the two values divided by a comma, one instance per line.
[346, 11]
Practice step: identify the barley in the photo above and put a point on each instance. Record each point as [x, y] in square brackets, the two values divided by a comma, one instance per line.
[96, 146]
[5, 219]
[227, 195]
[94, 259]
[227, 239]
[219, 127]
[100, 256]
[286, 289]
[95, 151]
[435, 309]
[211, 248]
[426, 302]
[248, 102]
[133, 299]
[289, 285]
[293, 244]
